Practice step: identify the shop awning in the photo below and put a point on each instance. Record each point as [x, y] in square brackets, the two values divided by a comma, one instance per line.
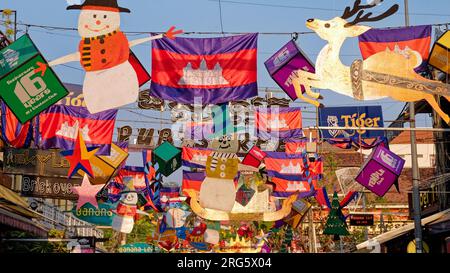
[14, 212]
[385, 237]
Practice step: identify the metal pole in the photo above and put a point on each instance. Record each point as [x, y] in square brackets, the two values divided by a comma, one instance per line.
[15, 25]
[415, 164]
[378, 129]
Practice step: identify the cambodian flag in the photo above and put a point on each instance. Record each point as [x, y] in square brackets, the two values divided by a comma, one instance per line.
[293, 167]
[285, 188]
[14, 133]
[295, 146]
[206, 70]
[58, 127]
[417, 38]
[280, 123]
[195, 157]
[192, 181]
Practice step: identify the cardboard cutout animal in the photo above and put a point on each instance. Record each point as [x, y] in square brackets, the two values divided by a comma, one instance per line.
[385, 74]
[104, 51]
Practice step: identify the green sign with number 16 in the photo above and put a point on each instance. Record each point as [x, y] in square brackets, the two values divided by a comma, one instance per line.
[27, 93]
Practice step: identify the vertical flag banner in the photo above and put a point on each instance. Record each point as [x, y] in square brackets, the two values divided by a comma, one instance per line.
[417, 39]
[25, 86]
[195, 157]
[14, 133]
[210, 70]
[59, 126]
[280, 123]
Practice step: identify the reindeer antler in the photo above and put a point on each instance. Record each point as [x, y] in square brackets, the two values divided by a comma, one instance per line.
[358, 9]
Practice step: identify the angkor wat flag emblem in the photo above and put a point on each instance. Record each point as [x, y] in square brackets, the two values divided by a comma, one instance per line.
[207, 70]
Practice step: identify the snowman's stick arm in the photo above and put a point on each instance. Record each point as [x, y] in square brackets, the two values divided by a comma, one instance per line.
[74, 57]
[145, 40]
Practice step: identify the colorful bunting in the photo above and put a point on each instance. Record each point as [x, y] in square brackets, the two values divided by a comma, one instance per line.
[14, 133]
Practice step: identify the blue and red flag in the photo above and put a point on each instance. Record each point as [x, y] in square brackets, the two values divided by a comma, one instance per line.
[322, 198]
[285, 188]
[195, 157]
[192, 181]
[348, 198]
[280, 123]
[14, 133]
[207, 70]
[58, 127]
[292, 167]
[416, 38]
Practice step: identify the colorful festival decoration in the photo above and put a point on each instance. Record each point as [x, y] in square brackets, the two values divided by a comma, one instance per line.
[14, 133]
[208, 70]
[192, 181]
[103, 215]
[385, 74]
[439, 57]
[254, 157]
[358, 116]
[104, 52]
[126, 209]
[59, 126]
[168, 158]
[380, 171]
[283, 123]
[282, 67]
[292, 166]
[80, 157]
[336, 224]
[399, 40]
[298, 213]
[87, 193]
[24, 86]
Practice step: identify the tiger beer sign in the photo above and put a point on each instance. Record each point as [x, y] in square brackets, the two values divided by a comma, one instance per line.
[24, 86]
[351, 117]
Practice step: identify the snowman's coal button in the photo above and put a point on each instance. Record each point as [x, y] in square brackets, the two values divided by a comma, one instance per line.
[103, 60]
[103, 51]
[102, 41]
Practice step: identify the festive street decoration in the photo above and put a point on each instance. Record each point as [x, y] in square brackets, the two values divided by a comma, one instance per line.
[80, 157]
[336, 224]
[385, 74]
[24, 86]
[254, 157]
[14, 133]
[126, 209]
[282, 67]
[87, 193]
[417, 39]
[168, 158]
[280, 123]
[209, 70]
[439, 58]
[380, 171]
[111, 79]
[59, 126]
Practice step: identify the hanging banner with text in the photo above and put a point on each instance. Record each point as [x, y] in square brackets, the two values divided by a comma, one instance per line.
[49, 187]
[361, 116]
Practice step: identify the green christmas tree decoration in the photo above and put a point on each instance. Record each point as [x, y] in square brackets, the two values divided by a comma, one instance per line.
[336, 222]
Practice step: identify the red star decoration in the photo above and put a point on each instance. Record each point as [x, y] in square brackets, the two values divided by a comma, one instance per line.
[79, 158]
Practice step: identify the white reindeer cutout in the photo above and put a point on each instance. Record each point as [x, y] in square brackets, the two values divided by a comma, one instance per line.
[385, 74]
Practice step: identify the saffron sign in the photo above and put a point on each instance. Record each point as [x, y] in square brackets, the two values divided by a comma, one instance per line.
[362, 116]
[380, 171]
[283, 66]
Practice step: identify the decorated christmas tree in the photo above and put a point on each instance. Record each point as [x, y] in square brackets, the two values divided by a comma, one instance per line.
[336, 222]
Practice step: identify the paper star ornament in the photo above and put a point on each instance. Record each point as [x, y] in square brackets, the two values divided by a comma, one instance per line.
[79, 158]
[87, 193]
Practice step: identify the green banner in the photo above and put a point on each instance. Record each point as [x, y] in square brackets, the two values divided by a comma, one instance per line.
[28, 93]
[101, 216]
[16, 54]
[138, 248]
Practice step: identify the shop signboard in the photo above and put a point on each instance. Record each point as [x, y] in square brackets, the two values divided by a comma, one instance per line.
[360, 116]
[361, 220]
[49, 187]
[25, 86]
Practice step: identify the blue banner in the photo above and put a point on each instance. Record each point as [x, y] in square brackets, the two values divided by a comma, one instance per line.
[362, 116]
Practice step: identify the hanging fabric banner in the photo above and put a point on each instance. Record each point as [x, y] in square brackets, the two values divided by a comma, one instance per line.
[59, 127]
[295, 146]
[292, 166]
[14, 133]
[192, 181]
[195, 157]
[416, 39]
[278, 123]
[285, 188]
[209, 70]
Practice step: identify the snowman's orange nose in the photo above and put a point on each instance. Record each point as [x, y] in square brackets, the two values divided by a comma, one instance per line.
[98, 22]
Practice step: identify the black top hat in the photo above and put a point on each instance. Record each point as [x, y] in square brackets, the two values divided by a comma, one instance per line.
[100, 3]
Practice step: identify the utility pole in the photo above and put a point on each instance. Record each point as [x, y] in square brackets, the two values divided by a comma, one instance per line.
[415, 164]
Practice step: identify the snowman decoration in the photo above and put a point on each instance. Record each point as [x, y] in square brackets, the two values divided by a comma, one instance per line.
[126, 210]
[104, 51]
